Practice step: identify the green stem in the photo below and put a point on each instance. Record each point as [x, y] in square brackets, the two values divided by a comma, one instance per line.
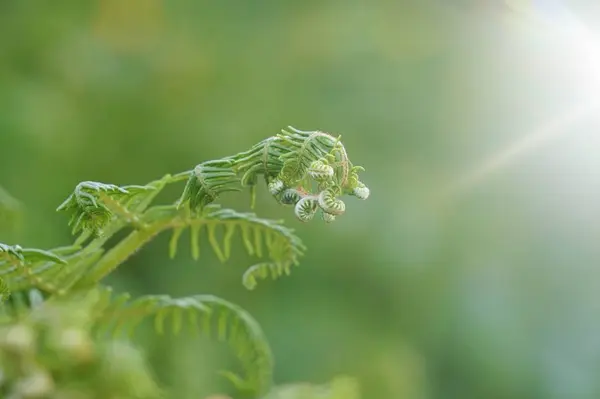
[122, 251]
[138, 238]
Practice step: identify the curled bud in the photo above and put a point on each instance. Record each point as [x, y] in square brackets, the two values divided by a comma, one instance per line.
[290, 197]
[306, 208]
[361, 191]
[330, 204]
[276, 186]
[320, 171]
[327, 217]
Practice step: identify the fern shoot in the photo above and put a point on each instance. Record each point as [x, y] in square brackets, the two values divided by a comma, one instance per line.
[307, 171]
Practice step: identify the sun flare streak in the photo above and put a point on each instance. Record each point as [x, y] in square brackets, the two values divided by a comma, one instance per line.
[580, 51]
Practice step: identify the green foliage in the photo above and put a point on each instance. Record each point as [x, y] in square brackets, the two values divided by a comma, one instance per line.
[306, 170]
[93, 204]
[205, 313]
[51, 353]
[19, 266]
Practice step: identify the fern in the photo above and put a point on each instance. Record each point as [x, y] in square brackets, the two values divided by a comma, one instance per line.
[294, 159]
[94, 204]
[308, 171]
[19, 267]
[211, 315]
[261, 237]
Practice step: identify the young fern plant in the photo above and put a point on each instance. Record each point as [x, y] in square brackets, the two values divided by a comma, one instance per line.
[307, 170]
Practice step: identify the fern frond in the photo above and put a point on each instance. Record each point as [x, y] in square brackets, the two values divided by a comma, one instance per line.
[93, 205]
[306, 208]
[292, 160]
[263, 158]
[208, 181]
[330, 204]
[260, 237]
[211, 315]
[305, 148]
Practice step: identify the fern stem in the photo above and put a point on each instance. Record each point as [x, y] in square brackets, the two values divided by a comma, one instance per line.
[121, 252]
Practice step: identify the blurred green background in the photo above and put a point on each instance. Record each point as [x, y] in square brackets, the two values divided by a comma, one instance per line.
[473, 269]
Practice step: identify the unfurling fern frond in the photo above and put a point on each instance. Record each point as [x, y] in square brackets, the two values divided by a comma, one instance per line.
[308, 170]
[361, 191]
[320, 171]
[94, 204]
[291, 196]
[306, 208]
[208, 181]
[262, 159]
[205, 313]
[292, 160]
[330, 204]
[305, 148]
[276, 186]
[260, 237]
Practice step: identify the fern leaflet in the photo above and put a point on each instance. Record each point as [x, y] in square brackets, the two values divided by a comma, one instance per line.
[211, 315]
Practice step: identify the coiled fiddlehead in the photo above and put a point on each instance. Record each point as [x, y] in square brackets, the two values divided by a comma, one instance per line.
[306, 208]
[291, 196]
[320, 171]
[330, 204]
[296, 164]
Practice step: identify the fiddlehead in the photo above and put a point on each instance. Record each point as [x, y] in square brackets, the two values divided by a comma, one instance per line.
[295, 164]
[94, 204]
[308, 171]
[306, 208]
[206, 313]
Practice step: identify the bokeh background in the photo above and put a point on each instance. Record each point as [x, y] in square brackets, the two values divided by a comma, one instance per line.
[473, 269]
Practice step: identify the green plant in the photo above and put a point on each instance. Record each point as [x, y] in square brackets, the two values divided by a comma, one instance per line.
[308, 171]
